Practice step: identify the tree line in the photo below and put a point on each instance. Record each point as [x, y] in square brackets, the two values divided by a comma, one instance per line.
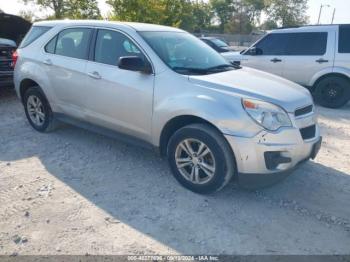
[219, 16]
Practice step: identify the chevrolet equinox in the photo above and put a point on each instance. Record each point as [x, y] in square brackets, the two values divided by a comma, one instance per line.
[213, 120]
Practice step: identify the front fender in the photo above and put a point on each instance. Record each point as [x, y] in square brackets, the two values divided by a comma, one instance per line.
[224, 113]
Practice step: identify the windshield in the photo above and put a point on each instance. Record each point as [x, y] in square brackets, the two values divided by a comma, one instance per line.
[219, 42]
[185, 53]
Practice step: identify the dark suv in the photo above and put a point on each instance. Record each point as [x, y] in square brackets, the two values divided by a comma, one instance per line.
[7, 48]
[12, 30]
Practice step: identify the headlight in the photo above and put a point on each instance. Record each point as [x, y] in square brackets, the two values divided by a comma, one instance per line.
[267, 115]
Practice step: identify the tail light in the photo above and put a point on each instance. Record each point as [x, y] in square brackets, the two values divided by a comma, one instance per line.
[14, 59]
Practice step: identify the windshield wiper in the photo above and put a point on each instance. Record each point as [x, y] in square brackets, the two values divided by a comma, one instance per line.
[191, 70]
[223, 66]
[204, 71]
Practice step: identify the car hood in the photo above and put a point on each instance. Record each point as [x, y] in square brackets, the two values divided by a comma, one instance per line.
[248, 82]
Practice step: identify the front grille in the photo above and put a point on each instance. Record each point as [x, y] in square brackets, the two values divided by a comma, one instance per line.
[303, 110]
[308, 132]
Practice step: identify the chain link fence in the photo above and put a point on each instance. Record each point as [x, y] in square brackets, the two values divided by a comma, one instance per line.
[235, 40]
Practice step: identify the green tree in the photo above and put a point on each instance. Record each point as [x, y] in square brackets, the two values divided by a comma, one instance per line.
[223, 10]
[81, 9]
[186, 14]
[287, 12]
[269, 25]
[57, 6]
[253, 9]
[202, 15]
[146, 11]
[27, 15]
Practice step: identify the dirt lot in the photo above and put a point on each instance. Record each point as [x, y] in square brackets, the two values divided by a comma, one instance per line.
[76, 192]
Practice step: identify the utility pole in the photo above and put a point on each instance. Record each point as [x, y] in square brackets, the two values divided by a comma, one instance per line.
[319, 15]
[333, 16]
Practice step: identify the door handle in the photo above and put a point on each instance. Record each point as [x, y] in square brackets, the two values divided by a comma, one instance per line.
[276, 60]
[94, 75]
[321, 60]
[47, 62]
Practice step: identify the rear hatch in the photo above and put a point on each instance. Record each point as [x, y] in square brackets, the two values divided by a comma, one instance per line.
[12, 30]
[13, 27]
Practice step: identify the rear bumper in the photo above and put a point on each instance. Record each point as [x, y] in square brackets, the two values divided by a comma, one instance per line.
[271, 156]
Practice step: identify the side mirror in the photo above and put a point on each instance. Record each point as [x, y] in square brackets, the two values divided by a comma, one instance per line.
[254, 51]
[134, 63]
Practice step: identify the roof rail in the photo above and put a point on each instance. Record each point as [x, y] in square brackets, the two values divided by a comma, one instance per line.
[298, 26]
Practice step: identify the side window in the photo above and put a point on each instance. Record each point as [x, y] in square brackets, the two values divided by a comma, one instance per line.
[344, 39]
[111, 45]
[307, 44]
[273, 44]
[73, 42]
[50, 46]
[34, 33]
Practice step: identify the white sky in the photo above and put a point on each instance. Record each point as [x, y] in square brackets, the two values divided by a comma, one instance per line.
[342, 14]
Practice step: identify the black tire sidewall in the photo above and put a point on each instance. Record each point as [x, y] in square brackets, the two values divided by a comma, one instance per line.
[220, 175]
[47, 110]
[322, 85]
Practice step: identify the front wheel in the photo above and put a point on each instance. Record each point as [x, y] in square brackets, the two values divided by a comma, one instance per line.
[200, 158]
[332, 92]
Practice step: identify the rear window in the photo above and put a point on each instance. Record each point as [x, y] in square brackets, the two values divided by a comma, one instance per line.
[72, 42]
[34, 33]
[307, 44]
[344, 39]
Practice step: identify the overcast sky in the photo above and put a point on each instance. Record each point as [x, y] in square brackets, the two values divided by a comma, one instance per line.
[342, 14]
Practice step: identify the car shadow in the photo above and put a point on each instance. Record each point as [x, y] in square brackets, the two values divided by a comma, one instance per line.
[135, 186]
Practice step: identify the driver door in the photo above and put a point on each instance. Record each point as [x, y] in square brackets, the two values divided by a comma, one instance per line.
[267, 54]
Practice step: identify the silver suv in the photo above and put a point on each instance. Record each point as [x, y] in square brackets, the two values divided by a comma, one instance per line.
[317, 57]
[163, 86]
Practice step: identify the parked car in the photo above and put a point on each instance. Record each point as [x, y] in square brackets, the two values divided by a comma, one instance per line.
[12, 30]
[7, 48]
[317, 57]
[167, 88]
[220, 46]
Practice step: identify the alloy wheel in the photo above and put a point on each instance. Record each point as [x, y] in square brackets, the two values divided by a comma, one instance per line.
[35, 110]
[195, 161]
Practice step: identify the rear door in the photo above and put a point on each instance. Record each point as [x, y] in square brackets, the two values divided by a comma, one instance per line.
[65, 60]
[307, 54]
[342, 55]
[268, 55]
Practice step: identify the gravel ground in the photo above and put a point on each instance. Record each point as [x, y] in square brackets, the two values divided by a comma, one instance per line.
[76, 192]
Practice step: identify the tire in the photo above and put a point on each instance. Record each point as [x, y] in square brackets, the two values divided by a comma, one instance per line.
[219, 161]
[44, 122]
[332, 91]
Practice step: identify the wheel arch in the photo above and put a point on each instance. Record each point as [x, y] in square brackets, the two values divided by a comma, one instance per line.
[27, 83]
[317, 80]
[175, 124]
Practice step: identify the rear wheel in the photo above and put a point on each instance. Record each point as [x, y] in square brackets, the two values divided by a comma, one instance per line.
[200, 158]
[332, 91]
[38, 110]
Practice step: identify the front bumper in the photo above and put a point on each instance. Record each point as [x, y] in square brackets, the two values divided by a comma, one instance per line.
[253, 155]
